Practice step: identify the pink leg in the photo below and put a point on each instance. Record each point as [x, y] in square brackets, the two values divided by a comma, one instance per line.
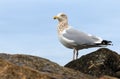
[77, 54]
[74, 54]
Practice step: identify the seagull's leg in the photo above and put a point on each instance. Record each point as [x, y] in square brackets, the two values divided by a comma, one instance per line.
[77, 54]
[73, 54]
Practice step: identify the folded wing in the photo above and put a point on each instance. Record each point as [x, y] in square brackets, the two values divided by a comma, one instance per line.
[81, 38]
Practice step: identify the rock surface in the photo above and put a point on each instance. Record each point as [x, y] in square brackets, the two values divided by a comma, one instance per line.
[31, 67]
[98, 63]
[11, 71]
[103, 63]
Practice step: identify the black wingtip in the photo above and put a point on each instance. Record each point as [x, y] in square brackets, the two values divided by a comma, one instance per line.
[105, 42]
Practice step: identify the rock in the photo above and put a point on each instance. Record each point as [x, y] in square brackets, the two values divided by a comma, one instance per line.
[107, 77]
[117, 74]
[98, 63]
[11, 71]
[32, 67]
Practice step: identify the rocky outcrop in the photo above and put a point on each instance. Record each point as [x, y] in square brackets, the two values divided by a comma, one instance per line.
[11, 71]
[99, 63]
[31, 67]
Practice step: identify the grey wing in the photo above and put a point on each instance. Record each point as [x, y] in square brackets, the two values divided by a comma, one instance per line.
[80, 37]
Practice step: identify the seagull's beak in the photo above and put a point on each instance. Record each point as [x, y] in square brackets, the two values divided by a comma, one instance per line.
[55, 17]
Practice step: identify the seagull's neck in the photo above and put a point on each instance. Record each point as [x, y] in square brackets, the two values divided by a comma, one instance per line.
[62, 26]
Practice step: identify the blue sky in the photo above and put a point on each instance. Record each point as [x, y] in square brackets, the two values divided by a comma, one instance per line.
[27, 26]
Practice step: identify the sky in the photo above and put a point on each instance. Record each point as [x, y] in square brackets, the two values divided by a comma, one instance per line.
[27, 26]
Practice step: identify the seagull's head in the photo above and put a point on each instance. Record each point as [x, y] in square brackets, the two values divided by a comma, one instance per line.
[61, 17]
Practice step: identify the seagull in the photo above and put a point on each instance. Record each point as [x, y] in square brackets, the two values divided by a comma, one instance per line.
[75, 39]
